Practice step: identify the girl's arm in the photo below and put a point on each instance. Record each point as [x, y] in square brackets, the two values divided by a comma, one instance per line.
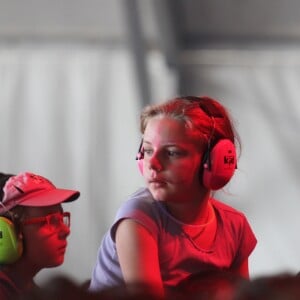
[138, 255]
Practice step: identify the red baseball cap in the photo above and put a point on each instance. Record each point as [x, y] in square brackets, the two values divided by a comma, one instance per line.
[28, 189]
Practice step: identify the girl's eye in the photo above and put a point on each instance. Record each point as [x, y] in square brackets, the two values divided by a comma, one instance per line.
[173, 153]
[147, 151]
[54, 221]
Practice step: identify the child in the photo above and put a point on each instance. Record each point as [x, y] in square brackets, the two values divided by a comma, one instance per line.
[174, 228]
[33, 230]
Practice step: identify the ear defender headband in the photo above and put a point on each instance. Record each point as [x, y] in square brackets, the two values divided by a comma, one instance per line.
[219, 160]
[11, 246]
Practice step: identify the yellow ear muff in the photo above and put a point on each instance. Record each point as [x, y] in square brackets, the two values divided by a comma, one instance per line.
[11, 245]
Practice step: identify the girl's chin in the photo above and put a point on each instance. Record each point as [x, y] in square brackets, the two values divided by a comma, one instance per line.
[159, 194]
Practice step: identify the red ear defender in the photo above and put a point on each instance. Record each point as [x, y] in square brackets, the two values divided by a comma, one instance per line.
[139, 157]
[220, 165]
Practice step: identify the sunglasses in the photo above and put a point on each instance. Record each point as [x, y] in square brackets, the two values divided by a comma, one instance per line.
[54, 220]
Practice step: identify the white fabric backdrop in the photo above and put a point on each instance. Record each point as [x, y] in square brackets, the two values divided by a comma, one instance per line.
[70, 113]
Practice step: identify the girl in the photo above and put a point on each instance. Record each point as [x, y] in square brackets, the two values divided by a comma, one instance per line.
[174, 228]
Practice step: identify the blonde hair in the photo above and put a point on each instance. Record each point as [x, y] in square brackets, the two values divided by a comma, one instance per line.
[208, 120]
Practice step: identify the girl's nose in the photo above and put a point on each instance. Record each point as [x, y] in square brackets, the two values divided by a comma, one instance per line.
[64, 231]
[155, 164]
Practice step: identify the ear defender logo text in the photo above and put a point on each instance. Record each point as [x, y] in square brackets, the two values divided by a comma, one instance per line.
[228, 161]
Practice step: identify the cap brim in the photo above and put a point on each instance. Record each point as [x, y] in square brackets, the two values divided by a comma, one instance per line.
[49, 197]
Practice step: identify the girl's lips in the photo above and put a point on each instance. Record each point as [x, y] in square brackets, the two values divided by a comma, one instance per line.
[63, 246]
[157, 182]
[62, 250]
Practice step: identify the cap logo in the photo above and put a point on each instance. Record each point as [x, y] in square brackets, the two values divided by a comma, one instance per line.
[38, 179]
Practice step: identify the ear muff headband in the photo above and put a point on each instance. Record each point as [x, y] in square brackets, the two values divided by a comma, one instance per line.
[11, 246]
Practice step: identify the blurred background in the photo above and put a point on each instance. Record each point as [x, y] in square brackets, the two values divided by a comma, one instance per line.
[74, 75]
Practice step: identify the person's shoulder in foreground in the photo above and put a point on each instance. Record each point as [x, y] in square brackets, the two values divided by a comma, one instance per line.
[279, 286]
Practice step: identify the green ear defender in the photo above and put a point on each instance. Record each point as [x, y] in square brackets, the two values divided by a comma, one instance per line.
[11, 245]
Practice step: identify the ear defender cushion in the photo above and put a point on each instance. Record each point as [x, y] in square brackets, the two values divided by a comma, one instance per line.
[10, 244]
[139, 157]
[220, 165]
[140, 162]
